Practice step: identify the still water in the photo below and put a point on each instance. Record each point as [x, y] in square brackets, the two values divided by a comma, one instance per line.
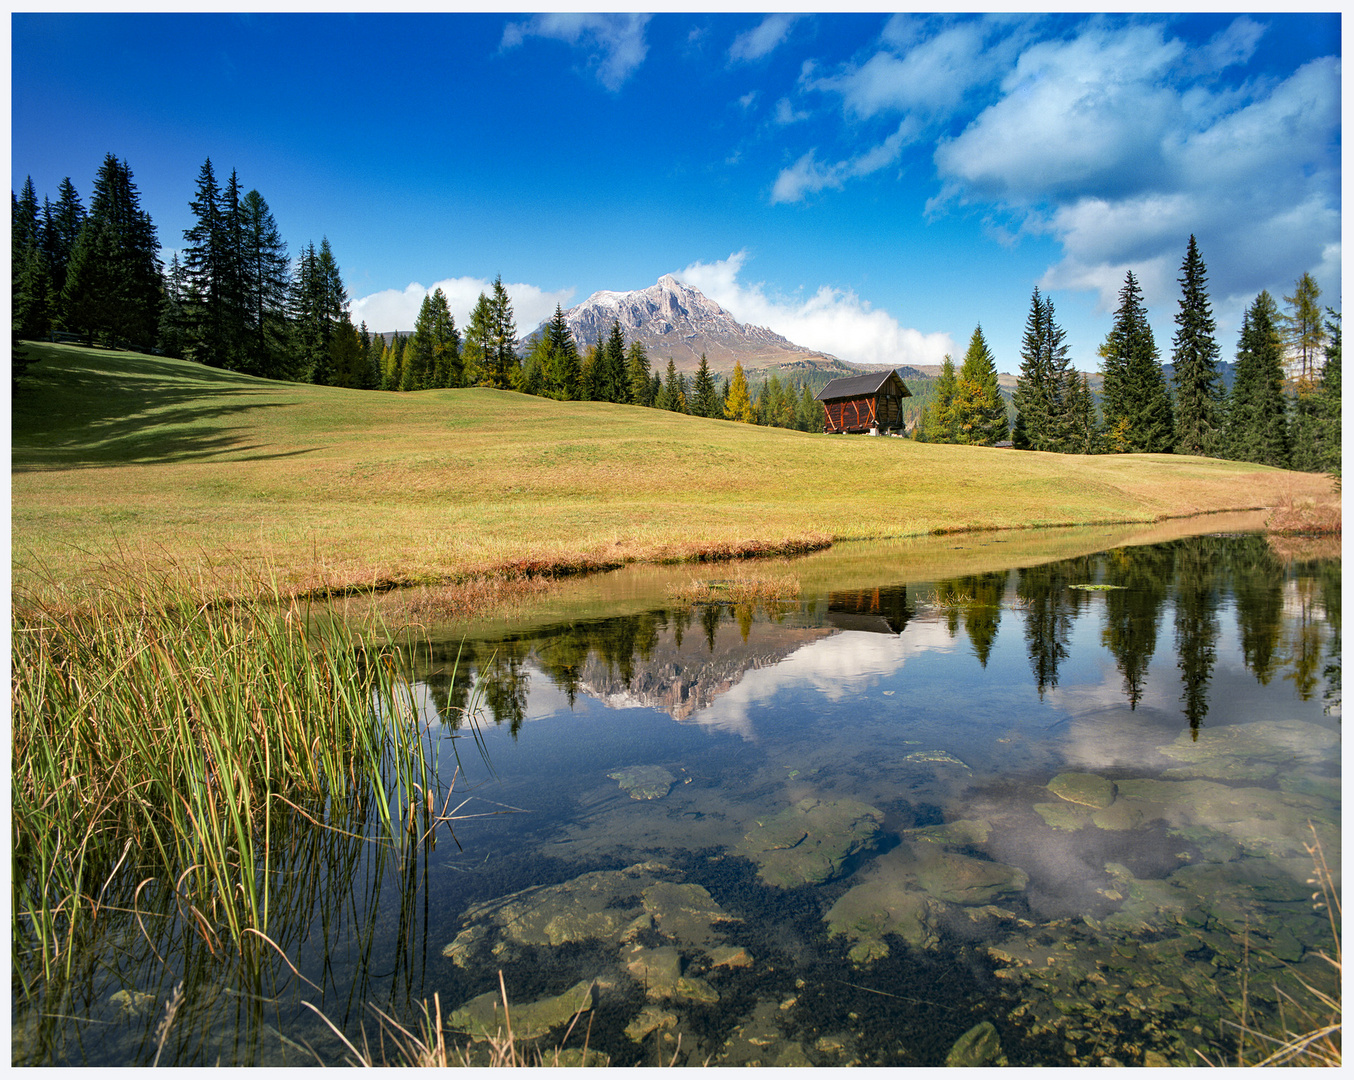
[1060, 813]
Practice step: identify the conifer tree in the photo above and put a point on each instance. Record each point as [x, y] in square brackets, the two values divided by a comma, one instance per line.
[30, 267]
[478, 346]
[1304, 334]
[1198, 386]
[502, 354]
[977, 412]
[609, 375]
[319, 303]
[1137, 406]
[639, 385]
[706, 401]
[738, 406]
[266, 281]
[674, 390]
[61, 230]
[938, 424]
[1256, 424]
[562, 365]
[1045, 381]
[809, 411]
[174, 327]
[205, 270]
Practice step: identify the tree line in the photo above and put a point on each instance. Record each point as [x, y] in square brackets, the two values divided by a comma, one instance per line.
[1265, 417]
[237, 300]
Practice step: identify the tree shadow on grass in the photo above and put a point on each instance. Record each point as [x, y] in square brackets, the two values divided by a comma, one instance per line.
[76, 413]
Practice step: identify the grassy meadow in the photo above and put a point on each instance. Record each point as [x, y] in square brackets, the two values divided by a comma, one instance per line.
[119, 457]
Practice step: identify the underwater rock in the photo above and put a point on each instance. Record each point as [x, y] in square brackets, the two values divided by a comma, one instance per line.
[960, 832]
[133, 1002]
[977, 1047]
[1063, 816]
[960, 879]
[810, 842]
[482, 1017]
[684, 911]
[645, 781]
[651, 1018]
[730, 956]
[591, 906]
[886, 904]
[934, 757]
[1148, 904]
[758, 1040]
[1275, 741]
[1084, 789]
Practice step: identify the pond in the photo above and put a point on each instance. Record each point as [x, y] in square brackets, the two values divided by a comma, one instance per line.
[975, 804]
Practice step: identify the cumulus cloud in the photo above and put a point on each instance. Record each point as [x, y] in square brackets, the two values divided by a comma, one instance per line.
[809, 175]
[397, 309]
[1114, 137]
[832, 320]
[763, 38]
[615, 42]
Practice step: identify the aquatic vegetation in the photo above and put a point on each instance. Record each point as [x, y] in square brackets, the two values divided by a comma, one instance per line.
[159, 737]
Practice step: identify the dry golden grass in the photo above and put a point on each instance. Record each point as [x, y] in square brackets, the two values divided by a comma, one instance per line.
[120, 458]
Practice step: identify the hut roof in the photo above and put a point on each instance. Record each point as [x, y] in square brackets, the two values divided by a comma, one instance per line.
[861, 386]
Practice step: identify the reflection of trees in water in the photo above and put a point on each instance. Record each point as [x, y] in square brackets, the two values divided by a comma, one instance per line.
[1288, 619]
[1050, 608]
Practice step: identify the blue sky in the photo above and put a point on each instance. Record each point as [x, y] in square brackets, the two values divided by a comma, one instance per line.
[866, 184]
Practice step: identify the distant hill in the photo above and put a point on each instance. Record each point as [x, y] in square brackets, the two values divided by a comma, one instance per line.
[675, 321]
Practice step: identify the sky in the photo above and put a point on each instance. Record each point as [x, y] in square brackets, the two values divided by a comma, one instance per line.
[870, 185]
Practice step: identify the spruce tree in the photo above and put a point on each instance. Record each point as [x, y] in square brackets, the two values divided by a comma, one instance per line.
[977, 411]
[478, 346]
[502, 355]
[705, 396]
[639, 385]
[1137, 406]
[30, 267]
[1083, 429]
[738, 406]
[174, 326]
[266, 281]
[1256, 424]
[61, 230]
[609, 376]
[1198, 386]
[1045, 382]
[205, 270]
[562, 366]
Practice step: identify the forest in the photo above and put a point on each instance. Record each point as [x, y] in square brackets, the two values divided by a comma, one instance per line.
[238, 300]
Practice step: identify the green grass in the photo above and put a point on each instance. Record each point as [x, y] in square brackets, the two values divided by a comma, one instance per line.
[118, 457]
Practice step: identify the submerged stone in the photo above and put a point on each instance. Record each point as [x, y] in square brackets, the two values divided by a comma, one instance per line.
[960, 879]
[133, 1002]
[934, 757]
[482, 1017]
[960, 832]
[1277, 741]
[811, 841]
[884, 904]
[645, 781]
[977, 1047]
[1065, 817]
[684, 911]
[1084, 789]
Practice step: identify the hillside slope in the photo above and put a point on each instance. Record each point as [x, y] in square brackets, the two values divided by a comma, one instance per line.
[118, 455]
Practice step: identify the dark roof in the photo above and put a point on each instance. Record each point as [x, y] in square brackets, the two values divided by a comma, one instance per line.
[860, 386]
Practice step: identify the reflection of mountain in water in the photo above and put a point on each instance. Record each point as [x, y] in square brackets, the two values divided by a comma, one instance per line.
[881, 610]
[683, 674]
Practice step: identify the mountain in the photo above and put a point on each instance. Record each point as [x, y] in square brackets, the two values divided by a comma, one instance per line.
[675, 321]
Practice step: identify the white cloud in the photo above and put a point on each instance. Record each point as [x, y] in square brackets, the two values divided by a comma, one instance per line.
[808, 175]
[763, 38]
[832, 320]
[397, 309]
[615, 42]
[787, 113]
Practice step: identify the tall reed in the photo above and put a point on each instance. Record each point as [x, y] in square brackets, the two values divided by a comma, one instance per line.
[158, 733]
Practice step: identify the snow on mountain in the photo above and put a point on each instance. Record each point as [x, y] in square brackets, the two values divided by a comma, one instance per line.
[675, 321]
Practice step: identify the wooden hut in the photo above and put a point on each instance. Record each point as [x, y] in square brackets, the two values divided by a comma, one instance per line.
[862, 402]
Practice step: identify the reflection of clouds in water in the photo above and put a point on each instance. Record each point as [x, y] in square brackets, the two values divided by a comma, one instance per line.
[835, 667]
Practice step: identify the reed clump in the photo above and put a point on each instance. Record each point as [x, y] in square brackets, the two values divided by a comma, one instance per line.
[743, 589]
[158, 736]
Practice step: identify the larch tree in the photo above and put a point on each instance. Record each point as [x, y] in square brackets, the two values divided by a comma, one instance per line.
[1303, 331]
[1136, 403]
[977, 411]
[738, 406]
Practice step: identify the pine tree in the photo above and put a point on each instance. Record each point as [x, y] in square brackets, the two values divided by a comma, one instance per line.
[1137, 406]
[1304, 335]
[977, 412]
[1045, 382]
[1198, 386]
[705, 395]
[738, 407]
[1256, 424]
